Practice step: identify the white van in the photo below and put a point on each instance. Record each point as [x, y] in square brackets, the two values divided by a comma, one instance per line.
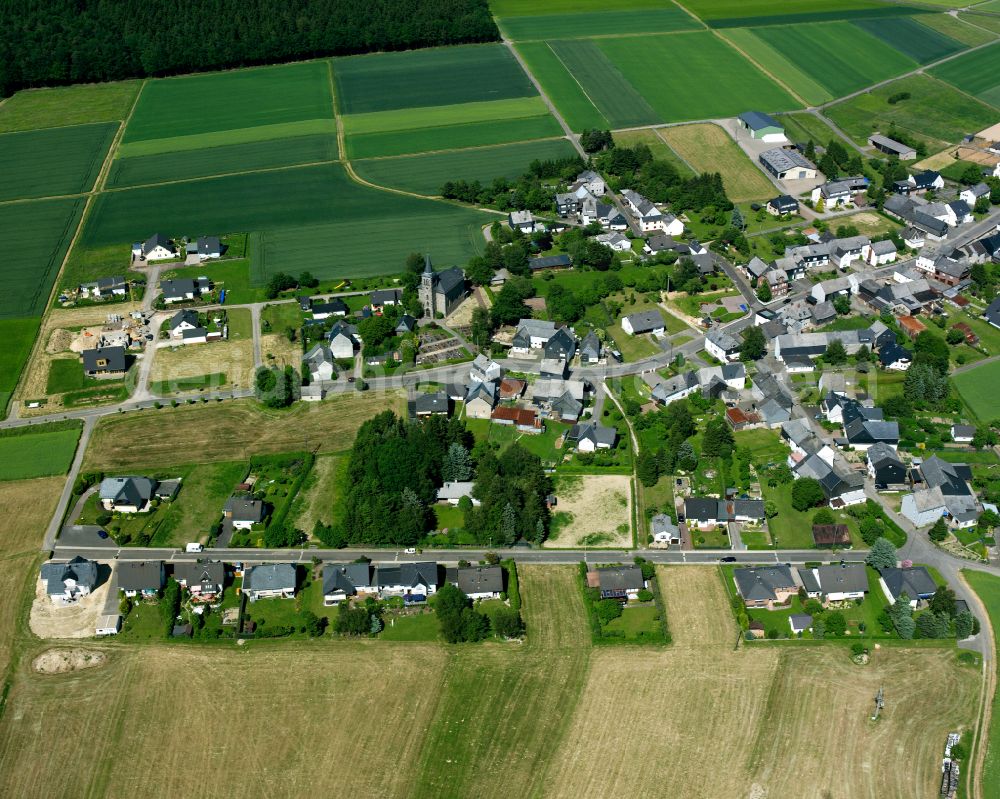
[194, 548]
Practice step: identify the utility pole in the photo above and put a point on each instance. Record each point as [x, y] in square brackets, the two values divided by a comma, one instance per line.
[879, 703]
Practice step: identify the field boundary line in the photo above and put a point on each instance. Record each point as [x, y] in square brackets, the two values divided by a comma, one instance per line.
[461, 149]
[681, 157]
[974, 786]
[576, 81]
[761, 67]
[691, 14]
[116, 189]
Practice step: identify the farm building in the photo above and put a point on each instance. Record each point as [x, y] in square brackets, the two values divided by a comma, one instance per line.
[762, 126]
[903, 152]
[787, 164]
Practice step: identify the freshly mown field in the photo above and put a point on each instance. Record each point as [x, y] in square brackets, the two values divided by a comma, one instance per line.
[564, 90]
[33, 239]
[801, 127]
[232, 431]
[987, 586]
[41, 451]
[246, 157]
[597, 23]
[425, 174]
[978, 387]
[53, 162]
[421, 78]
[977, 73]
[70, 105]
[934, 110]
[196, 105]
[305, 213]
[708, 148]
[838, 57]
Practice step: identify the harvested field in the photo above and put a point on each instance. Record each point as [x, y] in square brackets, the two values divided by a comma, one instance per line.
[708, 148]
[593, 510]
[78, 620]
[553, 608]
[234, 359]
[64, 661]
[697, 603]
[26, 506]
[235, 430]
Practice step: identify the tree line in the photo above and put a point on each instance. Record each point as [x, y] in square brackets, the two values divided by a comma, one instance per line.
[86, 41]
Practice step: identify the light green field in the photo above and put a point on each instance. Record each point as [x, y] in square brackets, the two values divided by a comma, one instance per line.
[598, 23]
[228, 101]
[226, 138]
[425, 174]
[935, 110]
[977, 73]
[708, 148]
[69, 105]
[53, 162]
[741, 13]
[573, 103]
[18, 336]
[978, 388]
[957, 28]
[987, 586]
[433, 77]
[776, 62]
[38, 451]
[657, 146]
[430, 117]
[183, 165]
[801, 127]
[512, 8]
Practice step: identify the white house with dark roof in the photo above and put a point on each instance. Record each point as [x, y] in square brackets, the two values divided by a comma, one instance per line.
[319, 363]
[127, 494]
[244, 512]
[140, 577]
[835, 583]
[879, 253]
[722, 346]
[916, 582]
[765, 586]
[971, 194]
[204, 579]
[478, 582]
[781, 205]
[67, 582]
[156, 248]
[531, 334]
[644, 322]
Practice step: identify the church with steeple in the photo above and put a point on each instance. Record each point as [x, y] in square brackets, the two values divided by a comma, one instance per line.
[440, 292]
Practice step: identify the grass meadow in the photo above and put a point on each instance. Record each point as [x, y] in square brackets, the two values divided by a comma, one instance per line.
[978, 388]
[425, 174]
[68, 105]
[977, 73]
[708, 148]
[53, 162]
[597, 23]
[987, 586]
[38, 451]
[657, 146]
[18, 335]
[908, 35]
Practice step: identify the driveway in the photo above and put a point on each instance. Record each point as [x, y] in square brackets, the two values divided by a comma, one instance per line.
[226, 535]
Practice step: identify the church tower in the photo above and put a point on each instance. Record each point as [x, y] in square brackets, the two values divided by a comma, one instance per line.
[426, 291]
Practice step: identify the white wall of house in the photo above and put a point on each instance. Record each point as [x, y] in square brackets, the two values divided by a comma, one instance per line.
[919, 518]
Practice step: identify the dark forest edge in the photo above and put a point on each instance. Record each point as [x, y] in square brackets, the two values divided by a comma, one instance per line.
[89, 41]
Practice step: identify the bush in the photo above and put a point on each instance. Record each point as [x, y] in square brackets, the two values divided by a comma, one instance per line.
[645, 596]
[608, 610]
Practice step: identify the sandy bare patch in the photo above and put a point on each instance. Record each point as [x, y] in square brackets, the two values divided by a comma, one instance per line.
[285, 352]
[75, 621]
[234, 359]
[63, 661]
[462, 315]
[593, 510]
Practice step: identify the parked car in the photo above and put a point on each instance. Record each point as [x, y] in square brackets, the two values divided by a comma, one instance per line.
[728, 559]
[195, 547]
[410, 550]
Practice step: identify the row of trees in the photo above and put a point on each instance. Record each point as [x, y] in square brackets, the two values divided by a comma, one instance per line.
[86, 41]
[534, 190]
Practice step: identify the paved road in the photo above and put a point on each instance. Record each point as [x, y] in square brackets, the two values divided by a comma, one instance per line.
[67, 493]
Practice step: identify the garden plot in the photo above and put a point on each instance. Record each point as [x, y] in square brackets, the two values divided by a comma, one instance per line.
[592, 510]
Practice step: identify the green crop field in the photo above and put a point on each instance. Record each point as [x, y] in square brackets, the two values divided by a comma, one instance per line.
[934, 110]
[68, 105]
[425, 174]
[573, 103]
[978, 388]
[802, 127]
[438, 116]
[249, 156]
[741, 13]
[777, 63]
[987, 586]
[977, 73]
[418, 78]
[18, 336]
[838, 56]
[230, 101]
[598, 23]
[515, 8]
[911, 38]
[33, 238]
[957, 29]
[53, 162]
[39, 451]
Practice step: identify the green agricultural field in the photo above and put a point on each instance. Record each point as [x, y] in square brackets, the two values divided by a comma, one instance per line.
[516, 8]
[598, 23]
[195, 105]
[725, 79]
[741, 13]
[910, 37]
[68, 105]
[957, 29]
[53, 162]
[18, 336]
[978, 388]
[987, 586]
[425, 174]
[420, 78]
[244, 157]
[990, 22]
[777, 63]
[802, 127]
[934, 110]
[977, 73]
[33, 238]
[838, 56]
[573, 103]
[443, 115]
[38, 451]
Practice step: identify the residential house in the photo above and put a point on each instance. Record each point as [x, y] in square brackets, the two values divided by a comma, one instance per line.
[385, 297]
[822, 313]
[344, 580]
[614, 241]
[644, 322]
[184, 288]
[962, 433]
[879, 253]
[800, 623]
[844, 252]
[511, 388]
[590, 436]
[531, 334]
[924, 507]
[244, 512]
[893, 356]
[787, 164]
[972, 194]
[343, 340]
[270, 581]
[561, 345]
[862, 433]
[649, 217]
[992, 313]
[432, 403]
[478, 582]
[590, 348]
[706, 513]
[842, 191]
[836, 287]
[481, 400]
[104, 287]
[414, 582]
[676, 388]
[334, 307]
[525, 420]
[911, 210]
[144, 578]
[186, 327]
[126, 494]
[953, 481]
[762, 127]
[484, 370]
[722, 346]
[592, 182]
[765, 586]
[714, 380]
[205, 248]
[204, 579]
[777, 282]
[617, 582]
[318, 362]
[66, 582]
[156, 248]
[903, 152]
[782, 204]
[453, 490]
[916, 582]
[837, 583]
[928, 180]
[885, 468]
[104, 362]
[523, 221]
[664, 530]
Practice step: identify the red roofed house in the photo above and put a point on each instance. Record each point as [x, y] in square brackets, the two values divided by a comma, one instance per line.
[524, 419]
[912, 326]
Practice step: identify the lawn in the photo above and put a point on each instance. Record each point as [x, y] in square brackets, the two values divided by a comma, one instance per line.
[657, 145]
[54, 162]
[19, 336]
[422, 625]
[279, 316]
[596, 23]
[766, 445]
[231, 275]
[38, 451]
[636, 621]
[977, 388]
[792, 529]
[633, 348]
[186, 112]
[305, 213]
[934, 110]
[987, 587]
[182, 385]
[426, 174]
[66, 374]
[241, 157]
[431, 77]
[977, 73]
[708, 148]
[562, 86]
[68, 105]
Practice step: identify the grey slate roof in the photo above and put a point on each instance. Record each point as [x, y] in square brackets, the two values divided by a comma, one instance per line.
[916, 582]
[113, 359]
[759, 583]
[83, 571]
[849, 578]
[432, 403]
[206, 573]
[590, 347]
[758, 120]
[145, 575]
[269, 577]
[411, 575]
[127, 490]
[346, 577]
[244, 509]
[620, 578]
[479, 579]
[645, 321]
